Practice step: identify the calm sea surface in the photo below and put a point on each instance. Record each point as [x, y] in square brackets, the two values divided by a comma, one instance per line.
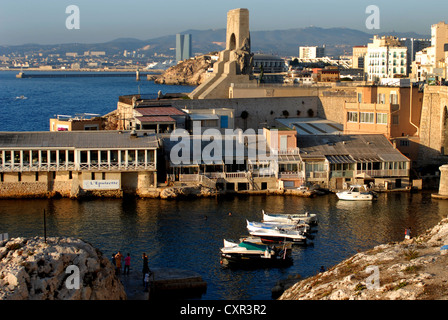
[174, 233]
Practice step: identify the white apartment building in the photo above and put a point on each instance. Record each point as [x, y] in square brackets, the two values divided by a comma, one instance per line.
[312, 52]
[385, 58]
[430, 63]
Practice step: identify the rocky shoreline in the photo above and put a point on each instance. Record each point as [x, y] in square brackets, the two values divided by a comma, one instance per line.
[35, 269]
[414, 269]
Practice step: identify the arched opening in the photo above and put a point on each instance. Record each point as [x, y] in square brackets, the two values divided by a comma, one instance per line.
[232, 42]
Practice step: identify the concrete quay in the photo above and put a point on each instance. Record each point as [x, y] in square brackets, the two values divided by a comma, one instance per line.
[164, 282]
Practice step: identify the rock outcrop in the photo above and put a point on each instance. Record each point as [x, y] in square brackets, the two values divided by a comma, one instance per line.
[414, 269]
[32, 269]
[188, 72]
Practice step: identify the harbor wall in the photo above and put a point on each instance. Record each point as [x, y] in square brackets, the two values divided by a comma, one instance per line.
[70, 184]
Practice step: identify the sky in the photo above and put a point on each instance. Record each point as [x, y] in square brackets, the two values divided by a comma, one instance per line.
[44, 21]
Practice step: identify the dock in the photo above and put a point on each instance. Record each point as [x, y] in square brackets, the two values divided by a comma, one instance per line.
[164, 282]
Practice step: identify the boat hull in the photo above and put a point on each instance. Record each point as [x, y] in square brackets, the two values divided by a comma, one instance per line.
[255, 261]
[354, 197]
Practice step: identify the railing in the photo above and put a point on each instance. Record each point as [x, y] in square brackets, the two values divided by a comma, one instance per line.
[290, 175]
[235, 175]
[385, 173]
[82, 166]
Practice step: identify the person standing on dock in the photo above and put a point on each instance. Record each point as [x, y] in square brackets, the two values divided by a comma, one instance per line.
[145, 269]
[127, 264]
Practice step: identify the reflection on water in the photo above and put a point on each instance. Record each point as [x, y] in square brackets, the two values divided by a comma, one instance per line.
[188, 233]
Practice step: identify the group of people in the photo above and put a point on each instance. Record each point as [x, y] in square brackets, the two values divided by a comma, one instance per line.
[117, 261]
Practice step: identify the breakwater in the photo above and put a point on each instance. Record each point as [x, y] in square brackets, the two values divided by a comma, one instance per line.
[22, 75]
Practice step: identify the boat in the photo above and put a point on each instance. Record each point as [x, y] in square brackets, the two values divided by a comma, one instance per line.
[279, 235]
[22, 97]
[250, 252]
[303, 227]
[308, 218]
[356, 193]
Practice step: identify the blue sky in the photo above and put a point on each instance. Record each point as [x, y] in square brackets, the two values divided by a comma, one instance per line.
[43, 21]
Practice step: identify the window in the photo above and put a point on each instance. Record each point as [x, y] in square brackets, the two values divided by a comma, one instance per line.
[381, 98]
[395, 119]
[367, 117]
[381, 118]
[393, 98]
[359, 97]
[404, 143]
[352, 116]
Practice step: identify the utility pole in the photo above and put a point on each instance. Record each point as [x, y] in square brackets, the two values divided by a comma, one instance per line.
[45, 227]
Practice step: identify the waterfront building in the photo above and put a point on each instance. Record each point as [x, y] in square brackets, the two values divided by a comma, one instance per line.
[183, 47]
[135, 112]
[311, 52]
[231, 162]
[77, 162]
[336, 161]
[289, 163]
[386, 58]
[84, 121]
[390, 110]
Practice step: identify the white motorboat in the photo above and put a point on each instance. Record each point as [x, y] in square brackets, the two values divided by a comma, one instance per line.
[279, 236]
[248, 253]
[356, 193]
[303, 227]
[308, 218]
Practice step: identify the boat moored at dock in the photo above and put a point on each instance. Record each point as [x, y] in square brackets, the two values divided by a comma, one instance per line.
[356, 193]
[308, 218]
[250, 252]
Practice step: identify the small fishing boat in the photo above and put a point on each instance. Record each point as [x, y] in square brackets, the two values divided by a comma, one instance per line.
[21, 98]
[308, 218]
[356, 193]
[303, 227]
[279, 236]
[249, 253]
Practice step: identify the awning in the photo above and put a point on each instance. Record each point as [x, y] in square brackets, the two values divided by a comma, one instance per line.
[289, 158]
[340, 159]
[370, 158]
[201, 116]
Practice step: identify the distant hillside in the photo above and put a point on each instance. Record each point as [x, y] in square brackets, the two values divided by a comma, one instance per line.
[281, 42]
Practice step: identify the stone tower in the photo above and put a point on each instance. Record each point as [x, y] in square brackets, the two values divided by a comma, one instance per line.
[235, 62]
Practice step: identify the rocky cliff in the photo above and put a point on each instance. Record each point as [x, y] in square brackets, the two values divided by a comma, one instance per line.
[414, 269]
[31, 269]
[188, 72]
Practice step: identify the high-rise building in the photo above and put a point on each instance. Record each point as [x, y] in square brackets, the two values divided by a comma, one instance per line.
[386, 58]
[183, 46]
[414, 46]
